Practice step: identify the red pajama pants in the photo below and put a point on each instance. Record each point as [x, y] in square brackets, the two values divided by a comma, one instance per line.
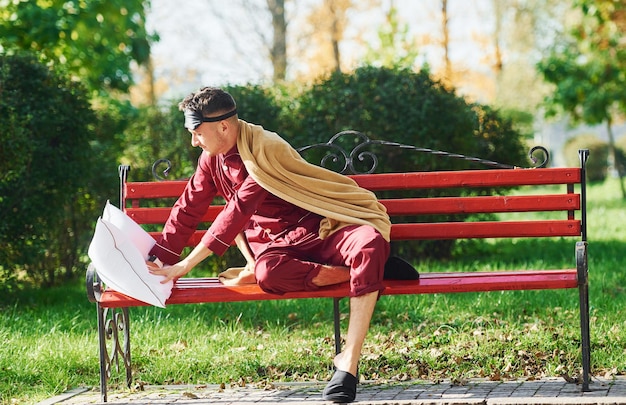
[291, 265]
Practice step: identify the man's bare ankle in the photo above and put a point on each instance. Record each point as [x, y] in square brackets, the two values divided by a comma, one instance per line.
[330, 275]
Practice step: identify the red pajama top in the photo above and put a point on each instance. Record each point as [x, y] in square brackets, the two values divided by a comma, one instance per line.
[263, 216]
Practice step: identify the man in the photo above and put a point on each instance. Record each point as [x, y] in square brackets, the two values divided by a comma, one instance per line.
[300, 226]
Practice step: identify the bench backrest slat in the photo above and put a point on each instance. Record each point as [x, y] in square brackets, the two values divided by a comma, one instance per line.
[418, 206]
[154, 189]
[158, 215]
[487, 204]
[468, 178]
[467, 230]
[497, 229]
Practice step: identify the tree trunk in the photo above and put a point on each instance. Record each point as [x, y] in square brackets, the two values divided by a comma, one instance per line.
[334, 34]
[446, 40]
[498, 10]
[278, 52]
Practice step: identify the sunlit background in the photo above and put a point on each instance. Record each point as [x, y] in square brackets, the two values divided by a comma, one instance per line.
[487, 49]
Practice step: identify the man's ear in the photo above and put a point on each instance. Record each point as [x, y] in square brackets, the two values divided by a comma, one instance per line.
[229, 125]
[224, 125]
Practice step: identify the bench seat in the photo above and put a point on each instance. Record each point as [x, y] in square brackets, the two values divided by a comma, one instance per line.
[209, 289]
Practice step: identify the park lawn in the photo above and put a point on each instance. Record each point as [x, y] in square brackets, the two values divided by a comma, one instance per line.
[50, 339]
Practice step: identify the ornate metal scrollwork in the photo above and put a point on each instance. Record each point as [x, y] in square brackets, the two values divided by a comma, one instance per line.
[545, 156]
[360, 153]
[156, 165]
[337, 154]
[344, 161]
[116, 332]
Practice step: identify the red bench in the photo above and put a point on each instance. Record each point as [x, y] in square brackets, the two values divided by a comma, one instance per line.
[566, 206]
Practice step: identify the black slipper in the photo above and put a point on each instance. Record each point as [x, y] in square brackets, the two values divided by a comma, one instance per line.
[397, 268]
[341, 388]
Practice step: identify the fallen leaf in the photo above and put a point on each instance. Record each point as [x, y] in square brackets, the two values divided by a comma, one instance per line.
[190, 395]
[570, 379]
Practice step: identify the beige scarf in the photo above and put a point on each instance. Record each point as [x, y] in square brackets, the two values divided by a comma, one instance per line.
[279, 169]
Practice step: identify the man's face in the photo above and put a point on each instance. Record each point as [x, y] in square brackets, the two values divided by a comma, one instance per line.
[211, 137]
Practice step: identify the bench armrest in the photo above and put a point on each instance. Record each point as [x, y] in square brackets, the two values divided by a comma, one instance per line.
[93, 284]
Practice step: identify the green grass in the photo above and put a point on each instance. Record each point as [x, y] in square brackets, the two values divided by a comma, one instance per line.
[49, 337]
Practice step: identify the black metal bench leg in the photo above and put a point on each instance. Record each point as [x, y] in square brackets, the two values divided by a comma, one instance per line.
[337, 325]
[103, 353]
[126, 348]
[584, 330]
[583, 292]
[112, 322]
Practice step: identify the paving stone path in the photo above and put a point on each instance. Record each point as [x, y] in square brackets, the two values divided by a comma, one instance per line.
[545, 391]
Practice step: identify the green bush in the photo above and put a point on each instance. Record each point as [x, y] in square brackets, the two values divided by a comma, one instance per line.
[402, 106]
[259, 105]
[45, 122]
[158, 133]
[109, 139]
[598, 151]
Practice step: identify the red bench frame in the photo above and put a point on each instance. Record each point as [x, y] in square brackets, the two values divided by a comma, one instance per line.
[113, 315]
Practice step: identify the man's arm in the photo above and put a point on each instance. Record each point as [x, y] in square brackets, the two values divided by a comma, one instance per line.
[186, 213]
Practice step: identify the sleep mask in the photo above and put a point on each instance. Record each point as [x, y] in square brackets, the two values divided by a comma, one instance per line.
[193, 119]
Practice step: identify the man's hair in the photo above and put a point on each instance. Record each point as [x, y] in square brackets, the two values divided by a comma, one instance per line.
[208, 101]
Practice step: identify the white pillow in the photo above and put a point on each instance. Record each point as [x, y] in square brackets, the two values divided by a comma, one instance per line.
[121, 265]
[140, 238]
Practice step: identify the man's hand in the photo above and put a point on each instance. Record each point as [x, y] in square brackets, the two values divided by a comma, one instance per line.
[173, 272]
[176, 271]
